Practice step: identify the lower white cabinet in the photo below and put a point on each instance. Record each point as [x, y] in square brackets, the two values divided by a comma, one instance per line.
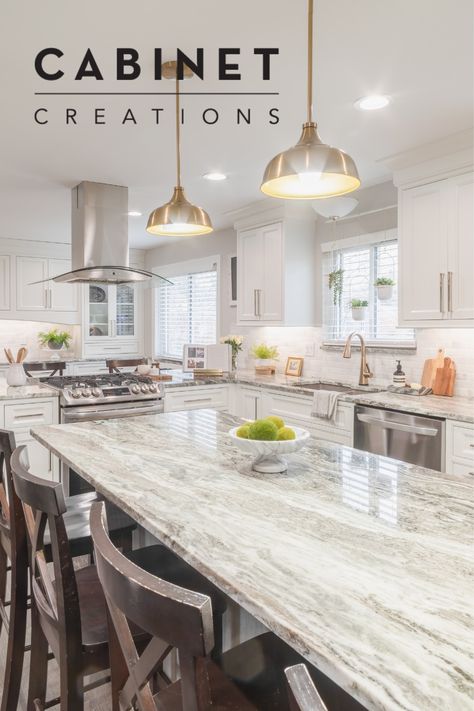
[20, 416]
[248, 402]
[197, 398]
[459, 448]
[296, 410]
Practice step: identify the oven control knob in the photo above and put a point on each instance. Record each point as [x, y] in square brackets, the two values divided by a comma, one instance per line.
[86, 392]
[135, 389]
[76, 393]
[153, 388]
[145, 388]
[96, 392]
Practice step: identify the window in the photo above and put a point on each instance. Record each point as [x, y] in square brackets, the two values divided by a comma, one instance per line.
[360, 261]
[186, 312]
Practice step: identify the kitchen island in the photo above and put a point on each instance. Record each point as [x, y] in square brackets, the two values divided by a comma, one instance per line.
[359, 562]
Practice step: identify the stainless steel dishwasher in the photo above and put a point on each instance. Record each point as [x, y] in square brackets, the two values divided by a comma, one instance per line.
[415, 439]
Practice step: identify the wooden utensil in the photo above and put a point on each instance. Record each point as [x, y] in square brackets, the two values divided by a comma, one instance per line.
[21, 355]
[445, 378]
[8, 355]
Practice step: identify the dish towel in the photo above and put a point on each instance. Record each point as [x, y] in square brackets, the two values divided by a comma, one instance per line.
[324, 404]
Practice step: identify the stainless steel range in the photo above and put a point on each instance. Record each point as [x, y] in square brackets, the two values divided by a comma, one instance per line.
[103, 397]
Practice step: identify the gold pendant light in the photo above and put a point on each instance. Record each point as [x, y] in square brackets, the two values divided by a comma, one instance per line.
[178, 217]
[311, 169]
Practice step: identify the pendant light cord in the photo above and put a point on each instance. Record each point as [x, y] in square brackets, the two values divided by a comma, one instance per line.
[310, 60]
[178, 135]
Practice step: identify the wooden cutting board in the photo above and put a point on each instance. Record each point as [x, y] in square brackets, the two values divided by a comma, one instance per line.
[445, 378]
[430, 367]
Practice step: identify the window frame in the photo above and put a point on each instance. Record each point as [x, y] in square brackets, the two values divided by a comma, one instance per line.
[176, 269]
[363, 241]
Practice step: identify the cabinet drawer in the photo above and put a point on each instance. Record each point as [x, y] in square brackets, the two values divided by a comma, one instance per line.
[109, 349]
[196, 398]
[462, 469]
[463, 442]
[26, 415]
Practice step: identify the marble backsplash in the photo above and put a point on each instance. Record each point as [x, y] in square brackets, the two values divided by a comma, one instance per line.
[457, 343]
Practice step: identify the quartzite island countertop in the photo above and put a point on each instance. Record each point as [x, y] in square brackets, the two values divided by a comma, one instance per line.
[361, 563]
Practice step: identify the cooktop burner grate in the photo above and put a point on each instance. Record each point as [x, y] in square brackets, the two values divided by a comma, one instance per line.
[91, 381]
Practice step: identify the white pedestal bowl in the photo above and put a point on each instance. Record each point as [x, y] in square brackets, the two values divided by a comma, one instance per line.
[268, 457]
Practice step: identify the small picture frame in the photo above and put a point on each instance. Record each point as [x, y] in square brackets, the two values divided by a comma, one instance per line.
[294, 366]
[194, 358]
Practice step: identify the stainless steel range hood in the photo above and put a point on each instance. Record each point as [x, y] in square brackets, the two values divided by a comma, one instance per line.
[100, 239]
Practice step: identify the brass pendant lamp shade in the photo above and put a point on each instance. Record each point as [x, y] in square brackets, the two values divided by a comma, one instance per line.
[178, 217]
[311, 169]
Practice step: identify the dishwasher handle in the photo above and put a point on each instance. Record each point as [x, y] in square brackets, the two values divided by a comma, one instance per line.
[388, 425]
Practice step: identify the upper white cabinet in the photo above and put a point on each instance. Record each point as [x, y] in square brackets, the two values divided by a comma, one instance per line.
[111, 320]
[276, 271]
[5, 299]
[22, 265]
[436, 237]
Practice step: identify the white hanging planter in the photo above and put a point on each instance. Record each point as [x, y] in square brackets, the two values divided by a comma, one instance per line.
[358, 313]
[384, 293]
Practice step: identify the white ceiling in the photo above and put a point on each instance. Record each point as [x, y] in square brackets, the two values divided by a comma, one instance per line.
[418, 51]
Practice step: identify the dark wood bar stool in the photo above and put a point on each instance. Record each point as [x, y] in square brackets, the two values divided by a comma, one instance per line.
[69, 611]
[14, 560]
[51, 367]
[115, 365]
[301, 690]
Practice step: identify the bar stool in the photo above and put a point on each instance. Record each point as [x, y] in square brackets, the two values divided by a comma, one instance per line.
[68, 611]
[14, 560]
[302, 692]
[57, 366]
[115, 365]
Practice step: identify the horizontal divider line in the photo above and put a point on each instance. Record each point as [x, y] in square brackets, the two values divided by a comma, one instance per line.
[157, 93]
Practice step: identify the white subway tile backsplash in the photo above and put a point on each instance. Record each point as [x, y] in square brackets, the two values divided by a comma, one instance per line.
[457, 343]
[14, 334]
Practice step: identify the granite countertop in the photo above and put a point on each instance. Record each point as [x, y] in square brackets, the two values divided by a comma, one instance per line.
[25, 392]
[359, 562]
[453, 408]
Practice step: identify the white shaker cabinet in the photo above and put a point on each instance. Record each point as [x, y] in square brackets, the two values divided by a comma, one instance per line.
[111, 322]
[436, 238]
[62, 297]
[5, 300]
[276, 271]
[29, 295]
[56, 302]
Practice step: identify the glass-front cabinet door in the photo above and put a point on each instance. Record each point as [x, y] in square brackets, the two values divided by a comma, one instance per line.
[99, 311]
[125, 311]
[111, 311]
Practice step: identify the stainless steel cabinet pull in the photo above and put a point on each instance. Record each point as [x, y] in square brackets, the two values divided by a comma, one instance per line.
[202, 399]
[45, 298]
[441, 292]
[255, 302]
[29, 415]
[387, 425]
[50, 298]
[259, 306]
[450, 292]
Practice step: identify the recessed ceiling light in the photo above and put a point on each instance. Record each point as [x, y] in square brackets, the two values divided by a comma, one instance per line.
[372, 102]
[216, 176]
[134, 213]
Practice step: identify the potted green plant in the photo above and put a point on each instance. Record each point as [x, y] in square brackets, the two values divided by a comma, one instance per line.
[384, 286]
[359, 307]
[335, 283]
[54, 339]
[264, 356]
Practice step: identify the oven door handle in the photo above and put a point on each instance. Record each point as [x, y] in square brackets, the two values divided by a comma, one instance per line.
[388, 425]
[111, 414]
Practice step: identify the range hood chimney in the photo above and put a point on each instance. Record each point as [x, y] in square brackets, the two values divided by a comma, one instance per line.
[100, 238]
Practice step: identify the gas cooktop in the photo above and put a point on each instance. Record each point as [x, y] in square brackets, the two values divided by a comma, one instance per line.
[93, 389]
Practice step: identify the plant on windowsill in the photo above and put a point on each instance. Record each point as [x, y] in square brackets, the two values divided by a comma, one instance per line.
[335, 281]
[264, 358]
[359, 307]
[384, 286]
[54, 339]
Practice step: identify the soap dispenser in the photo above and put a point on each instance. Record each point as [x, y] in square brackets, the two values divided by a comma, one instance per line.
[399, 377]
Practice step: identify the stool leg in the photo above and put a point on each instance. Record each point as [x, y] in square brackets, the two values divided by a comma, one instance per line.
[3, 580]
[16, 633]
[38, 663]
[218, 632]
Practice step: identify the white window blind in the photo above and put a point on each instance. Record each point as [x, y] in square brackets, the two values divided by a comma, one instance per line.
[361, 265]
[186, 312]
